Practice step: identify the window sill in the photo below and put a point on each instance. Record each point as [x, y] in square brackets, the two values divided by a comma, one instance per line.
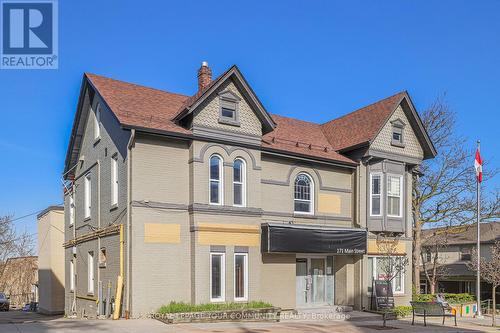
[397, 144]
[229, 121]
[96, 141]
[303, 213]
[217, 300]
[71, 225]
[113, 207]
[87, 219]
[90, 294]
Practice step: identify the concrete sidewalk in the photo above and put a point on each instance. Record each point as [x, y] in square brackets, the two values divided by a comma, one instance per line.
[35, 323]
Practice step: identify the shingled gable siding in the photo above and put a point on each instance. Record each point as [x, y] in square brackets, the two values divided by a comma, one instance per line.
[207, 114]
[113, 140]
[412, 147]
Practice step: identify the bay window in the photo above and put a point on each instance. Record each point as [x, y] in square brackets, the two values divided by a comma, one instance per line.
[394, 193]
[376, 194]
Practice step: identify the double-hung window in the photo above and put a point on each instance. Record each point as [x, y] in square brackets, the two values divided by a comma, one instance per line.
[114, 180]
[71, 275]
[303, 194]
[239, 182]
[216, 177]
[71, 209]
[241, 276]
[217, 277]
[90, 271]
[376, 194]
[97, 122]
[88, 195]
[394, 195]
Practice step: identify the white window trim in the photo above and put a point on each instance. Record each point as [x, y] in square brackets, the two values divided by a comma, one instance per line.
[243, 183]
[221, 181]
[114, 180]
[222, 298]
[90, 273]
[311, 207]
[403, 277]
[97, 122]
[401, 188]
[88, 195]
[71, 209]
[381, 195]
[71, 275]
[245, 276]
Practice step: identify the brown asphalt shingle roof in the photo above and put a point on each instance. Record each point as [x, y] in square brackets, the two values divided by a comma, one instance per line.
[149, 108]
[362, 125]
[140, 106]
[300, 137]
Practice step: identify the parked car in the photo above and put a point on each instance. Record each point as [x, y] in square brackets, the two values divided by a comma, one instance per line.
[4, 302]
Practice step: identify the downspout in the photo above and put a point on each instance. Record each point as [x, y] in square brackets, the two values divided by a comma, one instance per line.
[98, 301]
[129, 217]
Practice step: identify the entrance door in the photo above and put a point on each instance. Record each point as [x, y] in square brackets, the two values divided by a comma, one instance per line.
[318, 287]
[302, 282]
[314, 278]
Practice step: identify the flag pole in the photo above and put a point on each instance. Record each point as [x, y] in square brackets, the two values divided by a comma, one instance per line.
[478, 217]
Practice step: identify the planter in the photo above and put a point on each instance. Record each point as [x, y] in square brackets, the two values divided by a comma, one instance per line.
[265, 314]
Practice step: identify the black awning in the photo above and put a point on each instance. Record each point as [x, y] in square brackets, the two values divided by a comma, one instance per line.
[312, 239]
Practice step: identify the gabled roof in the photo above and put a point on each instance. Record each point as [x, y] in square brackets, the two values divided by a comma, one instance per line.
[153, 110]
[233, 72]
[361, 127]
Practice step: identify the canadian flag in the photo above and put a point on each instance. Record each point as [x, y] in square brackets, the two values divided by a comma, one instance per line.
[478, 164]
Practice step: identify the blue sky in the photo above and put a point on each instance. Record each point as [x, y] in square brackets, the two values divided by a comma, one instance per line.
[314, 60]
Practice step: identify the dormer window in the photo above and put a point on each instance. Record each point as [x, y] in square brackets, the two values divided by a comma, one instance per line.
[397, 133]
[228, 113]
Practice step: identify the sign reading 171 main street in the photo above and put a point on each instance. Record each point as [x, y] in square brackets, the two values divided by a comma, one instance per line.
[29, 34]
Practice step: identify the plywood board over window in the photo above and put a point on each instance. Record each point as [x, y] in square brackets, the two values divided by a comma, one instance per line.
[329, 203]
[162, 233]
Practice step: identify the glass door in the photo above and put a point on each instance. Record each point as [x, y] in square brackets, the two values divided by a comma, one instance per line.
[314, 281]
[317, 273]
[302, 282]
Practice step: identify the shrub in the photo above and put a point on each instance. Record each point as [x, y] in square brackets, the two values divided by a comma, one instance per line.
[402, 311]
[450, 298]
[177, 307]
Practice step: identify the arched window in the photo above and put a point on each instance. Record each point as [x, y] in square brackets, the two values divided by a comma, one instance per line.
[216, 180]
[304, 194]
[239, 182]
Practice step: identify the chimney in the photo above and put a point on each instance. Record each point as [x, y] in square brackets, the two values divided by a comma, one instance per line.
[204, 76]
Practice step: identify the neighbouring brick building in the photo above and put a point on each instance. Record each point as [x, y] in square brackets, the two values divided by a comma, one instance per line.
[210, 198]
